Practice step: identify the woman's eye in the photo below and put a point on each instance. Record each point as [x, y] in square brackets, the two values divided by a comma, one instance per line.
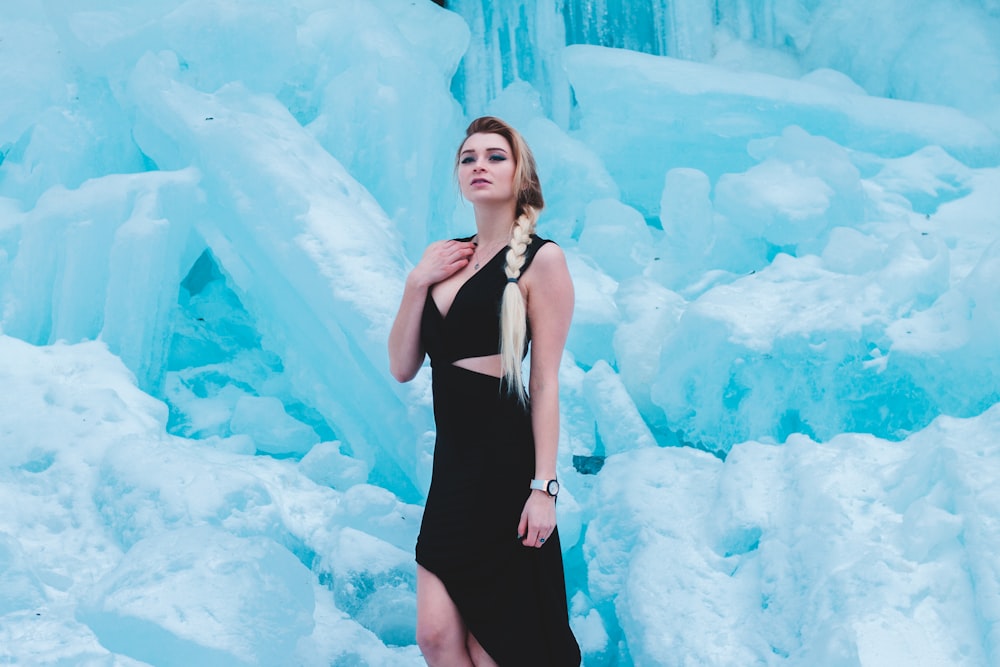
[467, 159]
[497, 157]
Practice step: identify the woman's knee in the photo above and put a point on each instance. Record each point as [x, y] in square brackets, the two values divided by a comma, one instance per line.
[440, 630]
[437, 639]
[430, 636]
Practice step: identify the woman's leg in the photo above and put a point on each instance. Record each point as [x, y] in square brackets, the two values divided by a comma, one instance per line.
[480, 658]
[441, 634]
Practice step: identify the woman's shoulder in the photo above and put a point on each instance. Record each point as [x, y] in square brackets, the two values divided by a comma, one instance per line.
[537, 243]
[545, 253]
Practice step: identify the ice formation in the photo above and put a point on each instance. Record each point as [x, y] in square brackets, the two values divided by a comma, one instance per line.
[780, 393]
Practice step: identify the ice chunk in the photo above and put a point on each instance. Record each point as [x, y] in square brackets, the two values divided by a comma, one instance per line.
[950, 346]
[777, 202]
[690, 231]
[21, 587]
[378, 101]
[704, 116]
[288, 219]
[184, 597]
[379, 512]
[36, 73]
[850, 251]
[927, 529]
[915, 55]
[577, 429]
[588, 627]
[661, 500]
[375, 582]
[618, 420]
[617, 238]
[512, 42]
[136, 504]
[650, 314]
[811, 542]
[219, 42]
[834, 80]
[803, 185]
[327, 464]
[273, 430]
[737, 48]
[103, 260]
[86, 149]
[927, 178]
[595, 314]
[718, 383]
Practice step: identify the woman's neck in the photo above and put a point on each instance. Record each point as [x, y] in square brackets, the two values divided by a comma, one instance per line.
[494, 225]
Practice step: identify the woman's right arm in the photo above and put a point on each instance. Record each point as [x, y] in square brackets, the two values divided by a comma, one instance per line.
[441, 260]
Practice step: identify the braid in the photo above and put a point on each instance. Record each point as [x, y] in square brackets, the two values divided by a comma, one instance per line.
[513, 312]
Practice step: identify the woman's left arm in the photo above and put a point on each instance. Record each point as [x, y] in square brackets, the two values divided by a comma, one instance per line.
[549, 293]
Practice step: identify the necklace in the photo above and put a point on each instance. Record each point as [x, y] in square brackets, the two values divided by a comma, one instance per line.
[477, 258]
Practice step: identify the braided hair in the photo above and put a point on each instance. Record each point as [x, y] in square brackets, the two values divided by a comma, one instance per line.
[513, 311]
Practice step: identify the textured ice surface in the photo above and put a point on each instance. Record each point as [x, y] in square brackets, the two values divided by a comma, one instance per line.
[779, 395]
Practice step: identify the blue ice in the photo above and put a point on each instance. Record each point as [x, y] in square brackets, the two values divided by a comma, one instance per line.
[780, 394]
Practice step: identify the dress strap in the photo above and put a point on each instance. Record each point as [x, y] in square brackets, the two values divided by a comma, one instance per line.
[529, 254]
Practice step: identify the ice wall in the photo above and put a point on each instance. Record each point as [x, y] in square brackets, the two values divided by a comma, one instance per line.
[779, 392]
[132, 244]
[897, 49]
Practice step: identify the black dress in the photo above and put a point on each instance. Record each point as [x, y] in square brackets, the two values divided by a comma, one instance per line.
[511, 597]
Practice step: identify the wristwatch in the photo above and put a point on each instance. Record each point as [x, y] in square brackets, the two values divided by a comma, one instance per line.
[549, 486]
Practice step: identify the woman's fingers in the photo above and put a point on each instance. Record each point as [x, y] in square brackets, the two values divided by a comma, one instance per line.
[460, 256]
[452, 256]
[537, 521]
[461, 250]
[534, 537]
[540, 539]
[443, 258]
[522, 526]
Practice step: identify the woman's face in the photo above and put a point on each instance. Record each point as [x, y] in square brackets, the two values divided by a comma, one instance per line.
[486, 169]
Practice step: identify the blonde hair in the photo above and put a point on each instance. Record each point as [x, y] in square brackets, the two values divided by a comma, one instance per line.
[513, 310]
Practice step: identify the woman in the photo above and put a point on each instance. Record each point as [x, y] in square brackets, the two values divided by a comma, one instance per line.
[473, 305]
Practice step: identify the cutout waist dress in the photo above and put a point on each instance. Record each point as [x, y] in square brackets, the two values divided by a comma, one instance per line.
[512, 598]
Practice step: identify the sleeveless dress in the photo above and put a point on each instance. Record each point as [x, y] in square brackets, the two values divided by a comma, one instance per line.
[511, 597]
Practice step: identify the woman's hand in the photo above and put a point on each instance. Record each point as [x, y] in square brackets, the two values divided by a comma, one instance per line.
[442, 259]
[538, 519]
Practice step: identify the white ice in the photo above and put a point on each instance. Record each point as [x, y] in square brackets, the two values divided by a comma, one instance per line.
[780, 393]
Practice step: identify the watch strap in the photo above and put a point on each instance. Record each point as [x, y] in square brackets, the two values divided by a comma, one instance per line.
[545, 485]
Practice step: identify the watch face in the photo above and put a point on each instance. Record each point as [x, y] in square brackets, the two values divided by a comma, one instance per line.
[553, 487]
